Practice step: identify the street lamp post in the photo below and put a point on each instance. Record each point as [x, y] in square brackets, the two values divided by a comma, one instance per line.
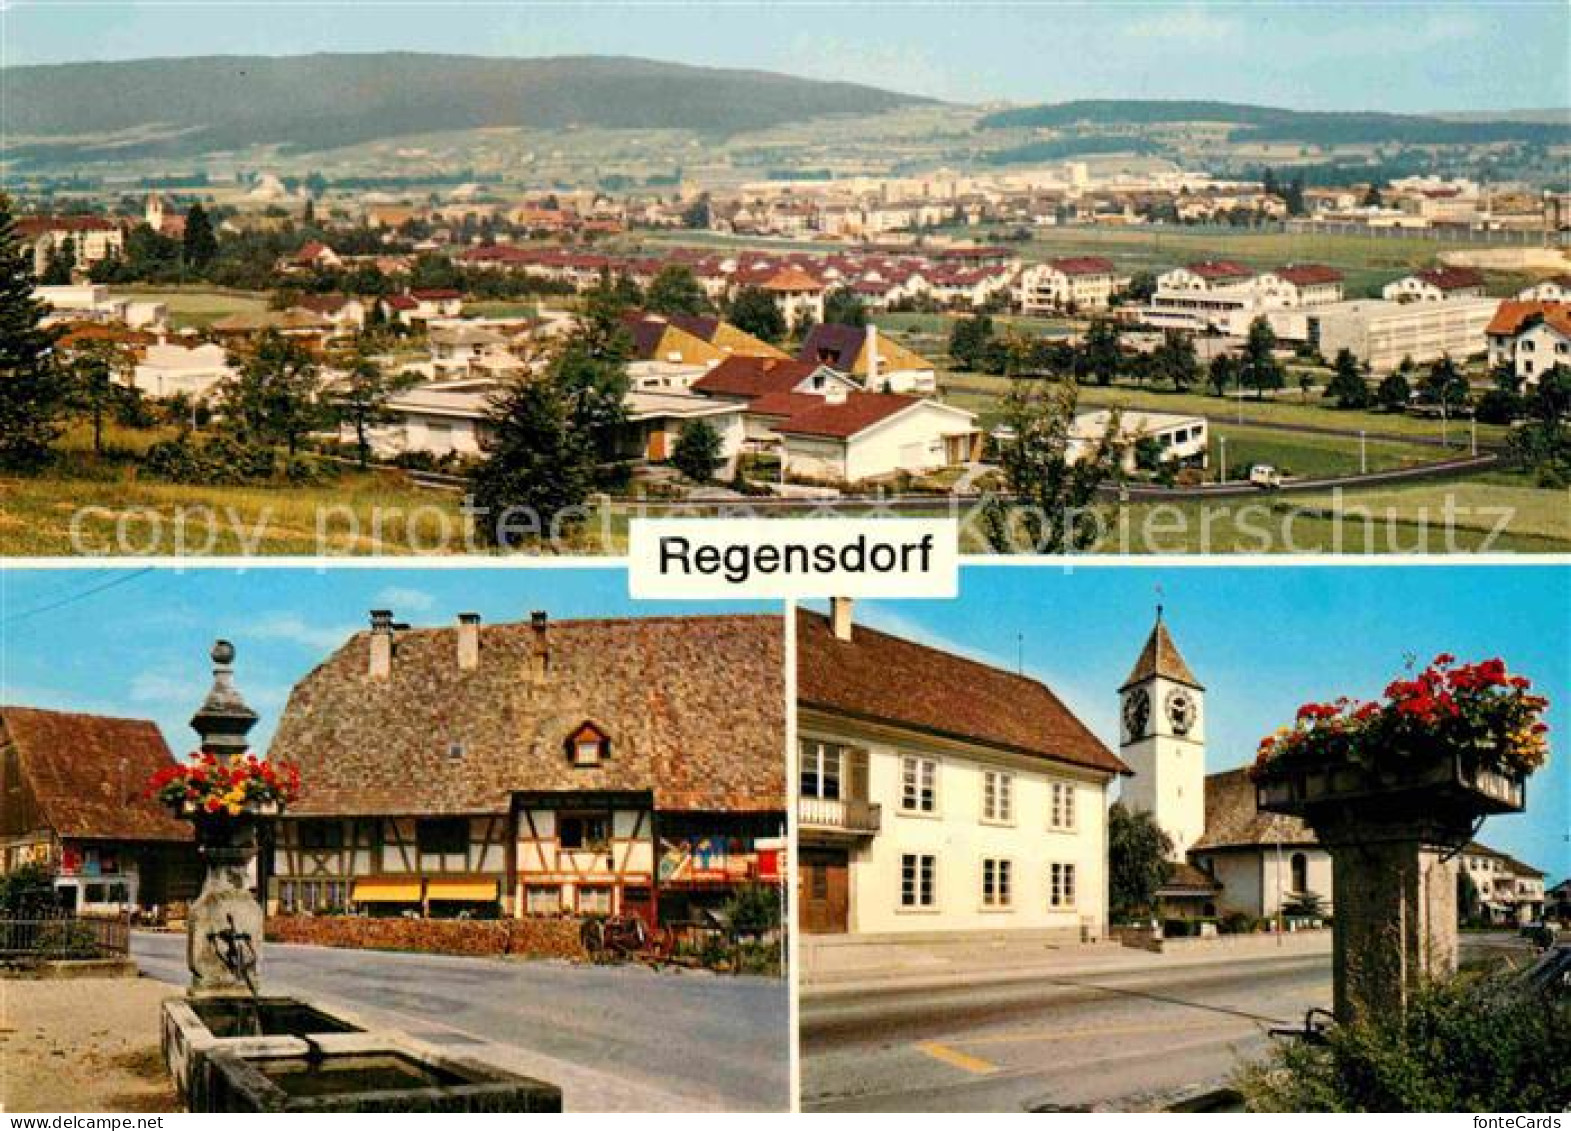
[1363, 452]
[1223, 469]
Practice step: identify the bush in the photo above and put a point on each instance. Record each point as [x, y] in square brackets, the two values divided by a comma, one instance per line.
[27, 890]
[1237, 923]
[1472, 1044]
[223, 460]
[754, 910]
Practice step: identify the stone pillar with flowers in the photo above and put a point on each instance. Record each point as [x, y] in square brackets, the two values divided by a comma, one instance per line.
[226, 792]
[1393, 789]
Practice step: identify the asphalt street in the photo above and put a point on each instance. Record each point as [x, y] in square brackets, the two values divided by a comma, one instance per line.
[614, 1037]
[1129, 1040]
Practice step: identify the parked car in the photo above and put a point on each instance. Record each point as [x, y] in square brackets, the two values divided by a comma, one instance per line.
[1266, 477]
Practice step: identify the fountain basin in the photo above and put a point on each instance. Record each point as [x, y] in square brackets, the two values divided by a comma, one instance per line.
[370, 1072]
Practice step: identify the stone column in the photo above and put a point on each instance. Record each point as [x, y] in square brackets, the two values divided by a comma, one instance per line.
[1394, 924]
[224, 930]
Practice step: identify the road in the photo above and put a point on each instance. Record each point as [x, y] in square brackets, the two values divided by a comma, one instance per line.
[614, 1038]
[1127, 1040]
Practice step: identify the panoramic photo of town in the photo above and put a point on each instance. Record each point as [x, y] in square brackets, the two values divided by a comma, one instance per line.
[364, 296]
[448, 450]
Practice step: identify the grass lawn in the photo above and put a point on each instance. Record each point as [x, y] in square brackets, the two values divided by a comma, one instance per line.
[1535, 513]
[200, 307]
[977, 391]
[501, 309]
[359, 514]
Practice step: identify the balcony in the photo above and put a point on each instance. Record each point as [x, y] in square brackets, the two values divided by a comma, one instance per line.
[850, 816]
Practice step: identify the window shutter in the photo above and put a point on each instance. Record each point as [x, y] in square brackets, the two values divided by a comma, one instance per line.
[856, 773]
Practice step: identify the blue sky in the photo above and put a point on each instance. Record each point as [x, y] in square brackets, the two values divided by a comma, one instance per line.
[1264, 640]
[135, 641]
[1381, 55]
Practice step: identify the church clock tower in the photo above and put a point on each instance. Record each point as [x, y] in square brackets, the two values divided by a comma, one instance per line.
[1162, 738]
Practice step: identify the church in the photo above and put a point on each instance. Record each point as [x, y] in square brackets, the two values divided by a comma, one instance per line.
[1227, 855]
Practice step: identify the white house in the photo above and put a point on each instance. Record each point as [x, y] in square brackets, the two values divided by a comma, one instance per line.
[1556, 289]
[938, 795]
[1087, 282]
[442, 418]
[170, 369]
[1435, 284]
[1179, 439]
[849, 438]
[1530, 337]
[656, 421]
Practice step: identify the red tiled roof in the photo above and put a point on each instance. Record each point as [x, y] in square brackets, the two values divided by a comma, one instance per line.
[791, 278]
[88, 774]
[844, 419]
[1082, 265]
[1450, 278]
[753, 377]
[784, 404]
[1514, 316]
[437, 294]
[1309, 274]
[37, 225]
[881, 678]
[1221, 269]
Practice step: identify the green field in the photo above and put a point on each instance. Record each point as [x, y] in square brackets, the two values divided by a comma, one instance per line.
[198, 307]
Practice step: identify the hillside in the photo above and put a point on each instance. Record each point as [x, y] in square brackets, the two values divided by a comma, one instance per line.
[1266, 123]
[205, 104]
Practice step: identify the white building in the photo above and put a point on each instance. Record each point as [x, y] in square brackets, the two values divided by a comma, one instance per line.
[1088, 282]
[1179, 439]
[1556, 289]
[92, 302]
[442, 418]
[1381, 333]
[170, 369]
[938, 795]
[1435, 284]
[1226, 297]
[850, 438]
[94, 238]
[1530, 337]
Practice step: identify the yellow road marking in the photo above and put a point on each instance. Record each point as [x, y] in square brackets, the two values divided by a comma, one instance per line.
[957, 1058]
[1071, 1034]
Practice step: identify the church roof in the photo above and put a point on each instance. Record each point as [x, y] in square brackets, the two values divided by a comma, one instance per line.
[1234, 821]
[1160, 657]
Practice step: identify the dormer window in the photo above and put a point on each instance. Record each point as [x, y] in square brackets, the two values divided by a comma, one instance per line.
[588, 745]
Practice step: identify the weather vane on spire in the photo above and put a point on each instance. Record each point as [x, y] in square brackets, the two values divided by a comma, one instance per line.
[1158, 588]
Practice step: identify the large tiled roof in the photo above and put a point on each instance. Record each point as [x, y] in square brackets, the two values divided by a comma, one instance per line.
[1082, 265]
[1160, 657]
[1513, 316]
[1451, 278]
[840, 420]
[694, 708]
[1309, 274]
[1234, 821]
[876, 677]
[754, 376]
[843, 347]
[88, 774]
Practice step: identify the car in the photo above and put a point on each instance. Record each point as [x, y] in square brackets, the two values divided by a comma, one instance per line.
[1266, 477]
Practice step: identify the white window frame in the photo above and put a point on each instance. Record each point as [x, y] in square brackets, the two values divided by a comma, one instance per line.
[922, 894]
[1062, 814]
[998, 884]
[816, 756]
[923, 776]
[998, 797]
[1062, 886]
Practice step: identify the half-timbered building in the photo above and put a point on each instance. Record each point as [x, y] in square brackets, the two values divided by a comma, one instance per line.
[588, 767]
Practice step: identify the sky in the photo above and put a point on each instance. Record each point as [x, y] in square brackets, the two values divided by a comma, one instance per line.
[1265, 640]
[1394, 55]
[134, 642]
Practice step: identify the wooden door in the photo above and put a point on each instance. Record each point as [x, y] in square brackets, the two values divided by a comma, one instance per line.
[823, 890]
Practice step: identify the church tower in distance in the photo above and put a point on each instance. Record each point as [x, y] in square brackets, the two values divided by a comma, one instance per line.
[1162, 728]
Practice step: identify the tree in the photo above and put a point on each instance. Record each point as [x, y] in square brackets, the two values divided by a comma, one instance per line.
[754, 312]
[200, 246]
[361, 395]
[1259, 369]
[1137, 862]
[1347, 385]
[698, 214]
[1468, 904]
[1394, 392]
[1445, 385]
[1142, 285]
[676, 290]
[968, 338]
[590, 369]
[1053, 481]
[1101, 352]
[273, 395]
[1222, 373]
[60, 265]
[91, 378]
[538, 465]
[1372, 197]
[32, 394]
[697, 451]
[842, 307]
[1175, 361]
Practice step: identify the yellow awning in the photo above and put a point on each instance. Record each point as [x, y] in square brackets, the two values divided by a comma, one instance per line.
[387, 889]
[461, 891]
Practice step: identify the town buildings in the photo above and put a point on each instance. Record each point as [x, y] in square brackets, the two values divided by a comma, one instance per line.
[91, 238]
[937, 795]
[1435, 284]
[73, 798]
[1509, 892]
[1382, 333]
[588, 767]
[1082, 283]
[1530, 337]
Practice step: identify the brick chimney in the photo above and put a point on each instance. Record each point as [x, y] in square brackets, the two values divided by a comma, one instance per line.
[540, 654]
[381, 661]
[468, 641]
[840, 617]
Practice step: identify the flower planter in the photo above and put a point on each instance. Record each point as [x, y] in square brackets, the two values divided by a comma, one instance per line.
[1441, 786]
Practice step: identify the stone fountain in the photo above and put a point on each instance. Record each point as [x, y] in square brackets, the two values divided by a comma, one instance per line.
[229, 1047]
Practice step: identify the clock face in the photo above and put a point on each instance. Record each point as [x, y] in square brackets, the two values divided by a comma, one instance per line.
[1182, 711]
[1137, 713]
